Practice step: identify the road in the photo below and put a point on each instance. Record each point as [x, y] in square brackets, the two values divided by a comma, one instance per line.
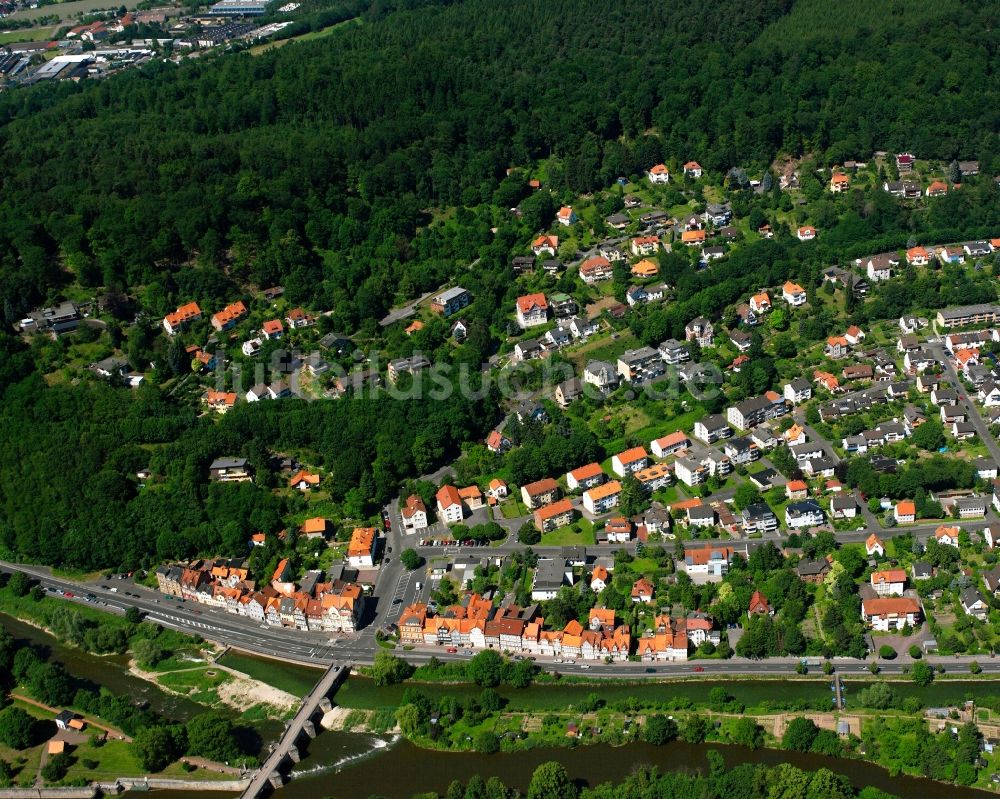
[406, 311]
[319, 650]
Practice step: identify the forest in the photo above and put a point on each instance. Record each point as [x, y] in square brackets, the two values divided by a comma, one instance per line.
[316, 165]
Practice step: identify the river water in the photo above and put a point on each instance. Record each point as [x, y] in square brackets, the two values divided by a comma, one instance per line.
[340, 765]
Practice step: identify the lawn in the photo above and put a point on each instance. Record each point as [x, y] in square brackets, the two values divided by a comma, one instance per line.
[26, 35]
[199, 684]
[304, 37]
[566, 536]
[296, 680]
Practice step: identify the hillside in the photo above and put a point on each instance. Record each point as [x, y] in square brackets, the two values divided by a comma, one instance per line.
[309, 165]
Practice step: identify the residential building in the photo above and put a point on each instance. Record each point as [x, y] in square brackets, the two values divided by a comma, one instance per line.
[692, 169]
[566, 216]
[659, 175]
[759, 606]
[712, 428]
[905, 512]
[886, 614]
[643, 363]
[596, 269]
[568, 392]
[759, 518]
[629, 461]
[690, 472]
[230, 470]
[674, 352]
[806, 513]
[550, 575]
[874, 546]
[532, 310]
[712, 562]
[757, 410]
[602, 375]
[793, 294]
[414, 514]
[361, 549]
[701, 516]
[229, 316]
[974, 603]
[585, 477]
[541, 492]
[181, 318]
[449, 505]
[602, 498]
[700, 330]
[888, 582]
[963, 316]
[554, 515]
[843, 507]
[669, 444]
[451, 301]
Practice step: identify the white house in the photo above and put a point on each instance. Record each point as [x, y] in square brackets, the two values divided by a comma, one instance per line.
[890, 613]
[449, 505]
[659, 175]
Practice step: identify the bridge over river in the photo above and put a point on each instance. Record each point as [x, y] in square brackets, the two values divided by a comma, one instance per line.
[286, 752]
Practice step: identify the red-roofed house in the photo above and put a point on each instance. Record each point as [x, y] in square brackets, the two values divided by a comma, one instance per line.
[668, 445]
[905, 512]
[759, 605]
[181, 318]
[532, 310]
[659, 175]
[449, 505]
[566, 216]
[631, 460]
[229, 316]
[272, 329]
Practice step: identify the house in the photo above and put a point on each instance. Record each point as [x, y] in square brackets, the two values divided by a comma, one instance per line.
[854, 335]
[879, 267]
[659, 175]
[760, 303]
[229, 316]
[669, 444]
[643, 363]
[599, 579]
[966, 315]
[252, 347]
[674, 352]
[642, 591]
[991, 579]
[601, 375]
[564, 306]
[826, 380]
[905, 163]
[568, 392]
[886, 614]
[974, 604]
[582, 328]
[888, 582]
[836, 347]
[449, 505]
[806, 233]
[541, 492]
[451, 301]
[700, 516]
[497, 442]
[414, 514]
[361, 549]
[712, 428]
[812, 571]
[596, 269]
[741, 450]
[618, 221]
[793, 294]
[645, 269]
[645, 245]
[699, 330]
[794, 435]
[554, 515]
[937, 189]
[181, 318]
[843, 507]
[718, 214]
[796, 489]
[742, 340]
[797, 391]
[532, 310]
[839, 182]
[806, 513]
[861, 371]
[304, 480]
[759, 518]
[629, 461]
[759, 606]
[566, 216]
[986, 468]
[497, 489]
[971, 507]
[543, 244]
[272, 329]
[692, 169]
[757, 410]
[712, 562]
[905, 512]
[902, 188]
[947, 536]
[585, 477]
[219, 401]
[472, 497]
[551, 574]
[921, 570]
[693, 238]
[690, 472]
[230, 470]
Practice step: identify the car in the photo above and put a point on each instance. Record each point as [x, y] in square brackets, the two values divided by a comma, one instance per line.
[585, 666]
[388, 560]
[698, 669]
[397, 601]
[451, 650]
[570, 662]
[68, 594]
[518, 657]
[558, 660]
[388, 549]
[650, 671]
[466, 651]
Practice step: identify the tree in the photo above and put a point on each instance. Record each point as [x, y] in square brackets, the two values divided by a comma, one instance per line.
[633, 499]
[212, 736]
[930, 435]
[799, 735]
[528, 534]
[389, 669]
[550, 781]
[156, 747]
[486, 668]
[148, 652]
[975, 668]
[410, 559]
[695, 730]
[745, 496]
[55, 767]
[132, 615]
[16, 728]
[659, 730]
[486, 742]
[19, 584]
[922, 673]
[744, 731]
[409, 719]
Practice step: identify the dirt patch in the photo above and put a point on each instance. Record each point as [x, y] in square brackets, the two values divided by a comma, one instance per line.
[242, 693]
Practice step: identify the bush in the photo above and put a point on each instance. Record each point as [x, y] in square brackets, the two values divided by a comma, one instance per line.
[915, 652]
[975, 668]
[56, 767]
[659, 730]
[886, 652]
[410, 559]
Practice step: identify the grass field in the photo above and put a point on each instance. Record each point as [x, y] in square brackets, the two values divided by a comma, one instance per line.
[297, 680]
[26, 35]
[305, 37]
[566, 536]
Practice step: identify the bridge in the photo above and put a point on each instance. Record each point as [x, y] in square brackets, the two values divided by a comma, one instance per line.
[285, 752]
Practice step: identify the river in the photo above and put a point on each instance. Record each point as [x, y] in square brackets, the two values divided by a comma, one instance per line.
[342, 765]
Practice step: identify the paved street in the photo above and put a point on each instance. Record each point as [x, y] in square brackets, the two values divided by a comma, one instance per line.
[975, 417]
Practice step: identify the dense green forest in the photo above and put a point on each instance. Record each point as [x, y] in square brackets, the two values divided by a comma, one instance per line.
[314, 165]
